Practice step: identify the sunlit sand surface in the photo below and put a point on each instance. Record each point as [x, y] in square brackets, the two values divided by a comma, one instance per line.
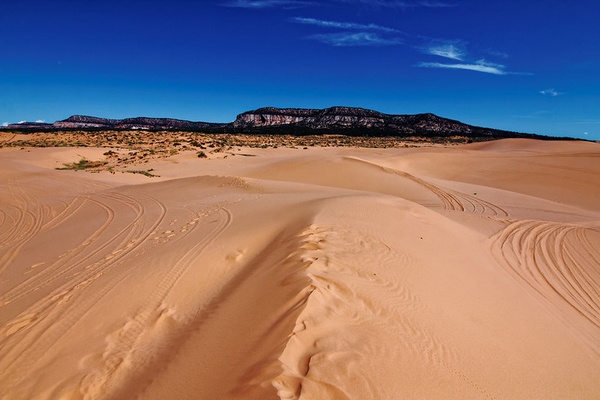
[463, 272]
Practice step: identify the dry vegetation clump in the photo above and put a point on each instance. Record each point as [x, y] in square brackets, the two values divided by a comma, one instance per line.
[135, 147]
[162, 143]
[147, 173]
[83, 164]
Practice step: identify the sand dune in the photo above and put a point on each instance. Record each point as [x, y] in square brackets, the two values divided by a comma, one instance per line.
[467, 272]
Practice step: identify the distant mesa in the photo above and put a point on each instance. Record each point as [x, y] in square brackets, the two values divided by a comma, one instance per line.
[356, 121]
[349, 121]
[29, 125]
[83, 122]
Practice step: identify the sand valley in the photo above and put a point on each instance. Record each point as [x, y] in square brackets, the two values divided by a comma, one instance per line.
[301, 272]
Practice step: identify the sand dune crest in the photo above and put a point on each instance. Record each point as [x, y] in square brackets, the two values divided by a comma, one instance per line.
[428, 273]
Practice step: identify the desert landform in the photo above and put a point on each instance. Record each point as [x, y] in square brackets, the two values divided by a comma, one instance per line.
[185, 265]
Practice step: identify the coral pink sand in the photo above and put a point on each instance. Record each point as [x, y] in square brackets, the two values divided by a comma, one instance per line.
[469, 272]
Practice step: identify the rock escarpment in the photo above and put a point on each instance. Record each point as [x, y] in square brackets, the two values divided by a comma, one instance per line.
[83, 122]
[357, 121]
[347, 121]
[28, 125]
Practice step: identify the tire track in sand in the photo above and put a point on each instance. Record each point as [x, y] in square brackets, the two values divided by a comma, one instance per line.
[451, 200]
[27, 223]
[95, 259]
[52, 317]
[476, 205]
[63, 265]
[561, 264]
[28, 218]
[454, 200]
[119, 359]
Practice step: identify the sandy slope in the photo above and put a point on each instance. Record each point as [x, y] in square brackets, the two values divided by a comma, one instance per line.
[470, 272]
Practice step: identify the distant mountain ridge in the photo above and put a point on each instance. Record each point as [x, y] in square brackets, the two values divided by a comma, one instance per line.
[358, 121]
[82, 121]
[349, 121]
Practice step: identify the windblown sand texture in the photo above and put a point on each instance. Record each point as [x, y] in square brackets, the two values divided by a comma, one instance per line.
[467, 272]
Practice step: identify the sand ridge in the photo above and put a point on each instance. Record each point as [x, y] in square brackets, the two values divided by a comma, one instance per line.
[292, 273]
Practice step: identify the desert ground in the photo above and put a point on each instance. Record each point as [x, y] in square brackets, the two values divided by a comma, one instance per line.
[214, 267]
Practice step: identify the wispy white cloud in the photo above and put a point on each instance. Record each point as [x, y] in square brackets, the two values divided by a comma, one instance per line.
[550, 92]
[457, 50]
[21, 122]
[346, 39]
[359, 34]
[267, 3]
[343, 25]
[40, 121]
[5, 124]
[478, 66]
[454, 51]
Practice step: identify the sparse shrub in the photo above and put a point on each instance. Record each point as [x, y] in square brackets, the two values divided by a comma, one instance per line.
[141, 172]
[83, 164]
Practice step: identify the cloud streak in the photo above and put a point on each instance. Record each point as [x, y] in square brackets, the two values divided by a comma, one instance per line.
[457, 50]
[347, 39]
[360, 34]
[342, 25]
[356, 34]
[448, 50]
[267, 3]
[550, 92]
[478, 66]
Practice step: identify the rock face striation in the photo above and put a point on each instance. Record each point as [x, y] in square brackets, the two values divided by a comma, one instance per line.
[329, 118]
[357, 121]
[348, 121]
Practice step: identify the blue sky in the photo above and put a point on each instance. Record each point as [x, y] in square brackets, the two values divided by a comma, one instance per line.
[529, 66]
